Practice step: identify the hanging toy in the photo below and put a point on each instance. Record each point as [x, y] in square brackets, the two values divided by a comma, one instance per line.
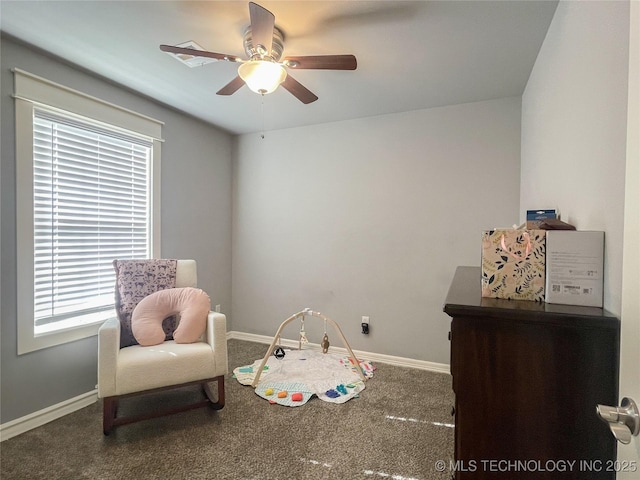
[303, 335]
[279, 353]
[325, 343]
[325, 339]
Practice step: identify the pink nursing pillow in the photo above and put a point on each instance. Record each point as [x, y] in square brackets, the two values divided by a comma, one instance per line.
[192, 304]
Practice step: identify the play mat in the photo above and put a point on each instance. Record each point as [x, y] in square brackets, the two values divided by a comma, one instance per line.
[294, 378]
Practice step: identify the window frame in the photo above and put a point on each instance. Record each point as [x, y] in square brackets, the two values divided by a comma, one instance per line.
[31, 92]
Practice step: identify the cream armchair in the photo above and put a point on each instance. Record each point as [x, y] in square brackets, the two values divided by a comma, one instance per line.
[135, 370]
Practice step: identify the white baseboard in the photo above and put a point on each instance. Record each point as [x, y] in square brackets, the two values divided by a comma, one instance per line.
[374, 357]
[28, 422]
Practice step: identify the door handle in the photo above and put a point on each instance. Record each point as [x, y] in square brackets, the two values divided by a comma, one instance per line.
[623, 421]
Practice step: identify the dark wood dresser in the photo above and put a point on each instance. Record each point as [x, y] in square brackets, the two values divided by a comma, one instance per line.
[527, 377]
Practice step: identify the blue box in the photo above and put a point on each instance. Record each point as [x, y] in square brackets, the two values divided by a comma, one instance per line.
[535, 217]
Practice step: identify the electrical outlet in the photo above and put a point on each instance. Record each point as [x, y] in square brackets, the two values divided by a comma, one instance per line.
[218, 308]
[365, 325]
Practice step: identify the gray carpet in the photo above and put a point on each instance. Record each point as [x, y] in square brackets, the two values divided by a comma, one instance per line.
[393, 430]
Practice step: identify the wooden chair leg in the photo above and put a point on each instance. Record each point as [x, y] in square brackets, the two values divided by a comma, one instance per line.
[110, 404]
[110, 408]
[219, 404]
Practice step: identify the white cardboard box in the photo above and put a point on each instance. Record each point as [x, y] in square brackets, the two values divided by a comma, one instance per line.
[575, 267]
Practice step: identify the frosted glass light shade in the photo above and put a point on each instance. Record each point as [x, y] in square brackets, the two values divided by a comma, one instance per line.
[262, 76]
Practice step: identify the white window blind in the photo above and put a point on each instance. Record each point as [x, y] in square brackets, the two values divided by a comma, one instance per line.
[91, 194]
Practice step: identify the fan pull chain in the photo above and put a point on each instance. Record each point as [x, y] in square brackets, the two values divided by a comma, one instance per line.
[262, 116]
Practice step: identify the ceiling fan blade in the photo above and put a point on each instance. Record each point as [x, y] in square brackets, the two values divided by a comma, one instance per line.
[232, 87]
[262, 23]
[323, 62]
[298, 90]
[199, 53]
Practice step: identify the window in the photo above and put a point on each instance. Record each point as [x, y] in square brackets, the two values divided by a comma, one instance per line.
[86, 191]
[90, 201]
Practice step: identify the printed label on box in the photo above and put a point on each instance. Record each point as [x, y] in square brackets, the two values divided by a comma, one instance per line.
[575, 268]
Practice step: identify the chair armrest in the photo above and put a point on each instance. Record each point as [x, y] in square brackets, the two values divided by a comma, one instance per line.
[108, 348]
[216, 336]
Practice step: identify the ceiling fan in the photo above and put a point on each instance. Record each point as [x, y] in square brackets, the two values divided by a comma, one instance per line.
[265, 69]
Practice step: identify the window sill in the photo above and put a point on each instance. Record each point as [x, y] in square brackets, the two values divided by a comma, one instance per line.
[28, 341]
[73, 323]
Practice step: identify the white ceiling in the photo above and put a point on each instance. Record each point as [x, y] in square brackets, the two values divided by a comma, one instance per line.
[411, 54]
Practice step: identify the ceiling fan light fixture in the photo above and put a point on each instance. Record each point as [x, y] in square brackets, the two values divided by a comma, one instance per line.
[262, 76]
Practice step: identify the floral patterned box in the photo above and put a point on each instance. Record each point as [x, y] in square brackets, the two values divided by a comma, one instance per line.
[513, 264]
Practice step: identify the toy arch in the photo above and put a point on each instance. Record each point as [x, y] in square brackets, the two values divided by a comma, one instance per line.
[308, 311]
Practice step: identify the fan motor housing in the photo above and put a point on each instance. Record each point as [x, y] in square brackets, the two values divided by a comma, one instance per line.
[277, 47]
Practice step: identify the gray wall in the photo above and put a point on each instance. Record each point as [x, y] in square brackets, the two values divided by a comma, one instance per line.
[371, 217]
[196, 223]
[574, 126]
